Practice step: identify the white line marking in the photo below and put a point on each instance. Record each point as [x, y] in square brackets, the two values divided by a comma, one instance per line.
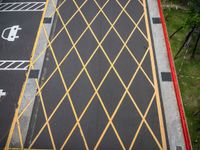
[8, 7]
[32, 6]
[21, 5]
[16, 6]
[39, 7]
[11, 65]
[2, 63]
[18, 65]
[3, 5]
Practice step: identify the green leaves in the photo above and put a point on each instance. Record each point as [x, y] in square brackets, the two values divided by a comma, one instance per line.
[194, 15]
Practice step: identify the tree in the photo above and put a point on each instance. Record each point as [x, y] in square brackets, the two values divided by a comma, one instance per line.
[193, 23]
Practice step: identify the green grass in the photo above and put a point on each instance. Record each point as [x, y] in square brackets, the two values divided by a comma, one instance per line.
[190, 87]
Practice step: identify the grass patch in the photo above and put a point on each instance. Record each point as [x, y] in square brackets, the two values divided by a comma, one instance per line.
[188, 70]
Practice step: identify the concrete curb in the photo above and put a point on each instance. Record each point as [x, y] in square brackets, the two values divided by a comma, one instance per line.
[31, 86]
[176, 127]
[175, 81]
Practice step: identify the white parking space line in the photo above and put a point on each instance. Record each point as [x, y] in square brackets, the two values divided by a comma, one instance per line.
[14, 65]
[22, 6]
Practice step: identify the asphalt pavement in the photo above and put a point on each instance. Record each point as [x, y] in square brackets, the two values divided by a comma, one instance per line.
[98, 87]
[18, 32]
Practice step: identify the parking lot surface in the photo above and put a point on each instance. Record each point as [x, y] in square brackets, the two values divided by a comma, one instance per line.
[18, 32]
[98, 87]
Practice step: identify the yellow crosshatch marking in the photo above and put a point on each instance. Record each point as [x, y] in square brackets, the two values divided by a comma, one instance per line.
[110, 117]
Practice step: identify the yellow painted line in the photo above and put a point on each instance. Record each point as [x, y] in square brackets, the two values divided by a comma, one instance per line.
[48, 119]
[105, 110]
[60, 5]
[131, 19]
[118, 77]
[45, 115]
[137, 108]
[102, 80]
[68, 137]
[96, 89]
[65, 57]
[20, 134]
[24, 85]
[97, 93]
[22, 112]
[90, 101]
[125, 87]
[31, 101]
[125, 44]
[58, 33]
[92, 81]
[70, 86]
[140, 2]
[162, 130]
[64, 83]
[141, 123]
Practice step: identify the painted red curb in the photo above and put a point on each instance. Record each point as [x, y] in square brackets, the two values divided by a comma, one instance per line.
[175, 81]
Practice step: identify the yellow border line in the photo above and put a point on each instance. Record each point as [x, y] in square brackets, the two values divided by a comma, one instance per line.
[123, 9]
[25, 83]
[142, 122]
[153, 67]
[77, 75]
[45, 115]
[162, 130]
[20, 134]
[60, 5]
[141, 3]
[139, 111]
[65, 57]
[66, 89]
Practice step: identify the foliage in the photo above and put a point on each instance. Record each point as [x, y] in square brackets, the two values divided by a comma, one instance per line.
[194, 15]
